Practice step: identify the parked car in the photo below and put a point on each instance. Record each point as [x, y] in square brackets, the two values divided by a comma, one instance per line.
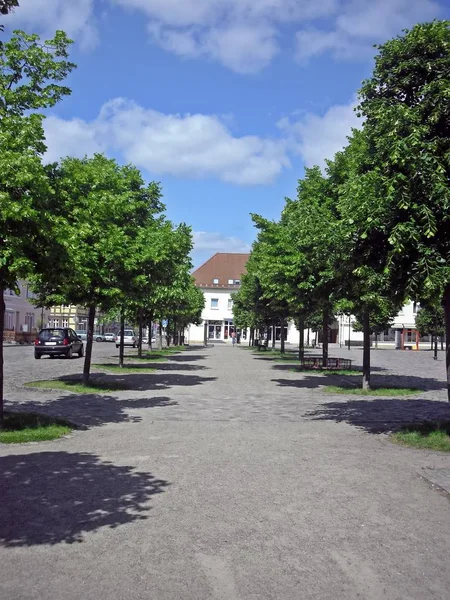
[99, 337]
[110, 337]
[129, 339]
[58, 341]
[82, 335]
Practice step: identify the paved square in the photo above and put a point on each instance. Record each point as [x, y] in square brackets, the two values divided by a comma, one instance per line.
[225, 476]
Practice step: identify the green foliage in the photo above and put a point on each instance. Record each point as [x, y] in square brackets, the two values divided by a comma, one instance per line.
[407, 110]
[430, 320]
[30, 73]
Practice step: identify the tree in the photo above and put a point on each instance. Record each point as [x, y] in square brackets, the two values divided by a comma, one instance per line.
[30, 76]
[111, 234]
[7, 6]
[431, 320]
[405, 104]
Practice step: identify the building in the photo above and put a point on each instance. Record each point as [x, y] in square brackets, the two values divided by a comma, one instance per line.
[22, 318]
[218, 278]
[63, 315]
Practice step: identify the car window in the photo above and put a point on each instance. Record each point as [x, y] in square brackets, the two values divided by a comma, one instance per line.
[48, 334]
[128, 332]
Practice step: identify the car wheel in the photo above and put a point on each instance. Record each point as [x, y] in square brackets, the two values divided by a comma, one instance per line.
[36, 355]
[134, 345]
[99, 339]
[81, 352]
[69, 353]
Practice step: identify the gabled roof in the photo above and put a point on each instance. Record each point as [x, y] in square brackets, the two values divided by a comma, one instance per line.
[224, 267]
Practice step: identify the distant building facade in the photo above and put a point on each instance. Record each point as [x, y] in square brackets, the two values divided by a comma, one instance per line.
[22, 318]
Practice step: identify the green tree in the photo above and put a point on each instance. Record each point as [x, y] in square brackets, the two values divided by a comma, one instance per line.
[111, 234]
[407, 111]
[431, 320]
[30, 76]
[7, 6]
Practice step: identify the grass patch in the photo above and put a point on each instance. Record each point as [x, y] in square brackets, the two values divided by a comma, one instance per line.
[429, 435]
[19, 428]
[327, 371]
[381, 391]
[114, 368]
[71, 385]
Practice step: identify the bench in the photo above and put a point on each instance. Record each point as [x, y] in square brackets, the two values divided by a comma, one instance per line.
[316, 362]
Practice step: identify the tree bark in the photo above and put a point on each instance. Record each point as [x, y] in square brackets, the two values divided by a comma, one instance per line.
[274, 329]
[301, 343]
[122, 333]
[160, 335]
[141, 327]
[366, 350]
[89, 342]
[282, 337]
[435, 347]
[2, 326]
[446, 305]
[325, 337]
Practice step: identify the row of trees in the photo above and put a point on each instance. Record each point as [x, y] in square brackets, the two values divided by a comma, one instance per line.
[86, 231]
[373, 230]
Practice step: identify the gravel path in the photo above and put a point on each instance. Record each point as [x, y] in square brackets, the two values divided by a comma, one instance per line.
[224, 476]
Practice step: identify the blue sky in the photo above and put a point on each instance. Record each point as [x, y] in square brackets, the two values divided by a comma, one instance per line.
[222, 101]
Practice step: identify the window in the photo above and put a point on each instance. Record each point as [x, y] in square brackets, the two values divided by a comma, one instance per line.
[230, 303]
[214, 302]
[65, 323]
[29, 321]
[55, 323]
[230, 281]
[215, 281]
[9, 320]
[237, 282]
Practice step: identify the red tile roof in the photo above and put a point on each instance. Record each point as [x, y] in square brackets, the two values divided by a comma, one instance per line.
[224, 266]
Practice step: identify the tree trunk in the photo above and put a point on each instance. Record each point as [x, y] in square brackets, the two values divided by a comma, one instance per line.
[122, 333]
[251, 337]
[160, 335]
[435, 347]
[301, 343]
[2, 326]
[307, 337]
[282, 337]
[432, 339]
[175, 333]
[150, 334]
[325, 338]
[349, 330]
[141, 327]
[366, 350]
[446, 304]
[89, 342]
[274, 329]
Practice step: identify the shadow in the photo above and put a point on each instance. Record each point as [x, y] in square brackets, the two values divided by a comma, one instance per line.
[54, 497]
[310, 380]
[183, 358]
[91, 410]
[143, 382]
[139, 382]
[381, 415]
[160, 366]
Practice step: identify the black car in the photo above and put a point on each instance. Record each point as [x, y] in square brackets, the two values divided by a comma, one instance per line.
[58, 341]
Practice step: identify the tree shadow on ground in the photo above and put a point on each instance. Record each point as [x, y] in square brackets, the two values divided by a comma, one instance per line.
[381, 415]
[91, 410]
[352, 381]
[297, 369]
[160, 366]
[54, 497]
[141, 382]
[184, 358]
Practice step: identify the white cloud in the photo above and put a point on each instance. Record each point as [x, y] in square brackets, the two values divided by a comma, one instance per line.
[46, 16]
[218, 242]
[190, 145]
[240, 34]
[316, 138]
[359, 24]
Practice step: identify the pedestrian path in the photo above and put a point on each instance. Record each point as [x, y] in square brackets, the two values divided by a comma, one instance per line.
[223, 475]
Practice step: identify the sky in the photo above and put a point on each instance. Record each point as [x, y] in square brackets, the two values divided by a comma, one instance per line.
[224, 102]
